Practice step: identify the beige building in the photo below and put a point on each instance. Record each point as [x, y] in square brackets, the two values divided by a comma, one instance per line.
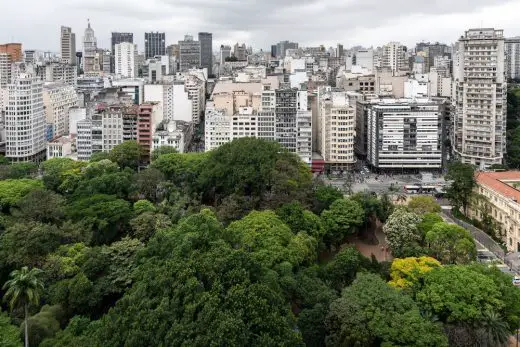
[336, 130]
[501, 202]
[58, 98]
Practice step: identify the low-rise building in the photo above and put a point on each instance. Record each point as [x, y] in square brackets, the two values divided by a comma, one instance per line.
[177, 134]
[499, 199]
[60, 147]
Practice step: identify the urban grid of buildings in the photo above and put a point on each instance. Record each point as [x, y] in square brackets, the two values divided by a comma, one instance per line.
[393, 108]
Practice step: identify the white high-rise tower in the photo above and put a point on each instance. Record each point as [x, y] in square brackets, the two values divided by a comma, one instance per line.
[480, 91]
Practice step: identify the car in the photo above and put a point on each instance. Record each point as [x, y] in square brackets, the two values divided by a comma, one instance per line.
[516, 281]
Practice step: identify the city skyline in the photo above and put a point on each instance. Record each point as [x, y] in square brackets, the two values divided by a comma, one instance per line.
[248, 24]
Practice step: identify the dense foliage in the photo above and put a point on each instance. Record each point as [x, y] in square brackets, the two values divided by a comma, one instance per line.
[235, 247]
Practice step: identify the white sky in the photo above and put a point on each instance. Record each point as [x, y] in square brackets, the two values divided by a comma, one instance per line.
[260, 23]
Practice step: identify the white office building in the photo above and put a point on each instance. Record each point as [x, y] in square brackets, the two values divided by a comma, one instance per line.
[394, 57]
[404, 134]
[58, 98]
[25, 120]
[479, 95]
[126, 59]
[68, 46]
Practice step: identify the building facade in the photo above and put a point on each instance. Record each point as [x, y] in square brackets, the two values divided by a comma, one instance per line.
[394, 57]
[480, 91]
[154, 44]
[513, 58]
[58, 98]
[404, 134]
[206, 51]
[14, 50]
[189, 54]
[118, 38]
[25, 120]
[68, 46]
[89, 50]
[225, 52]
[125, 59]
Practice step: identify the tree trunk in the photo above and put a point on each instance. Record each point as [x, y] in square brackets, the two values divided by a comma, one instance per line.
[26, 327]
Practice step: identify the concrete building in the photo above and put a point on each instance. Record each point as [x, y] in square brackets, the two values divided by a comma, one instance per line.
[513, 58]
[364, 58]
[25, 120]
[189, 54]
[14, 50]
[5, 70]
[404, 134]
[118, 38]
[217, 129]
[336, 131]
[283, 46]
[76, 114]
[89, 51]
[176, 134]
[68, 46]
[58, 98]
[131, 87]
[60, 147]
[154, 44]
[394, 57]
[288, 102]
[125, 59]
[84, 139]
[480, 91]
[499, 200]
[145, 129]
[197, 94]
[206, 51]
[240, 52]
[57, 72]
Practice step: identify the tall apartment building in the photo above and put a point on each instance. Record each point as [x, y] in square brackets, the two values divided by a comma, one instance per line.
[5, 70]
[189, 53]
[58, 98]
[394, 57]
[89, 50]
[513, 58]
[225, 52]
[335, 128]
[57, 72]
[206, 51]
[14, 50]
[240, 52]
[118, 38]
[68, 46]
[404, 134]
[25, 120]
[154, 44]
[197, 94]
[480, 90]
[125, 59]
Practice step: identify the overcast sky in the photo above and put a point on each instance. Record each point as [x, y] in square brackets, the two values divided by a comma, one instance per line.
[260, 23]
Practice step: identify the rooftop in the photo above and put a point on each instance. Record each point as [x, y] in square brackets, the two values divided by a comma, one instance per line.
[500, 182]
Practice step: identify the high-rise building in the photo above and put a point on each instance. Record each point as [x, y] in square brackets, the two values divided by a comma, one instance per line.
[58, 98]
[225, 52]
[14, 50]
[68, 46]
[117, 38]
[189, 53]
[240, 52]
[89, 50]
[283, 46]
[206, 51]
[404, 134]
[5, 70]
[513, 57]
[394, 57]
[125, 59]
[25, 120]
[154, 44]
[480, 91]
[289, 104]
[340, 51]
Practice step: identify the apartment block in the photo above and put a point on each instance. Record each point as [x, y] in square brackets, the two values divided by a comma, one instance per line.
[394, 57]
[68, 46]
[404, 134]
[513, 57]
[25, 120]
[480, 91]
[58, 98]
[125, 59]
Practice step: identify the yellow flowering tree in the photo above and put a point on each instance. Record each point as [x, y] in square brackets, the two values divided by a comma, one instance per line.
[407, 271]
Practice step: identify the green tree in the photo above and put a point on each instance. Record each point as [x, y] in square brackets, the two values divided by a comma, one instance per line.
[341, 220]
[324, 196]
[162, 151]
[408, 272]
[342, 269]
[106, 215]
[451, 244]
[9, 334]
[18, 170]
[462, 177]
[424, 204]
[98, 156]
[142, 206]
[57, 170]
[182, 169]
[24, 289]
[402, 233]
[372, 313]
[150, 184]
[427, 223]
[127, 154]
[146, 224]
[44, 324]
[40, 205]
[12, 191]
[299, 219]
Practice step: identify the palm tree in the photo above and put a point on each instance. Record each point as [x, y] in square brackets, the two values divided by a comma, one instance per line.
[24, 288]
[495, 329]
